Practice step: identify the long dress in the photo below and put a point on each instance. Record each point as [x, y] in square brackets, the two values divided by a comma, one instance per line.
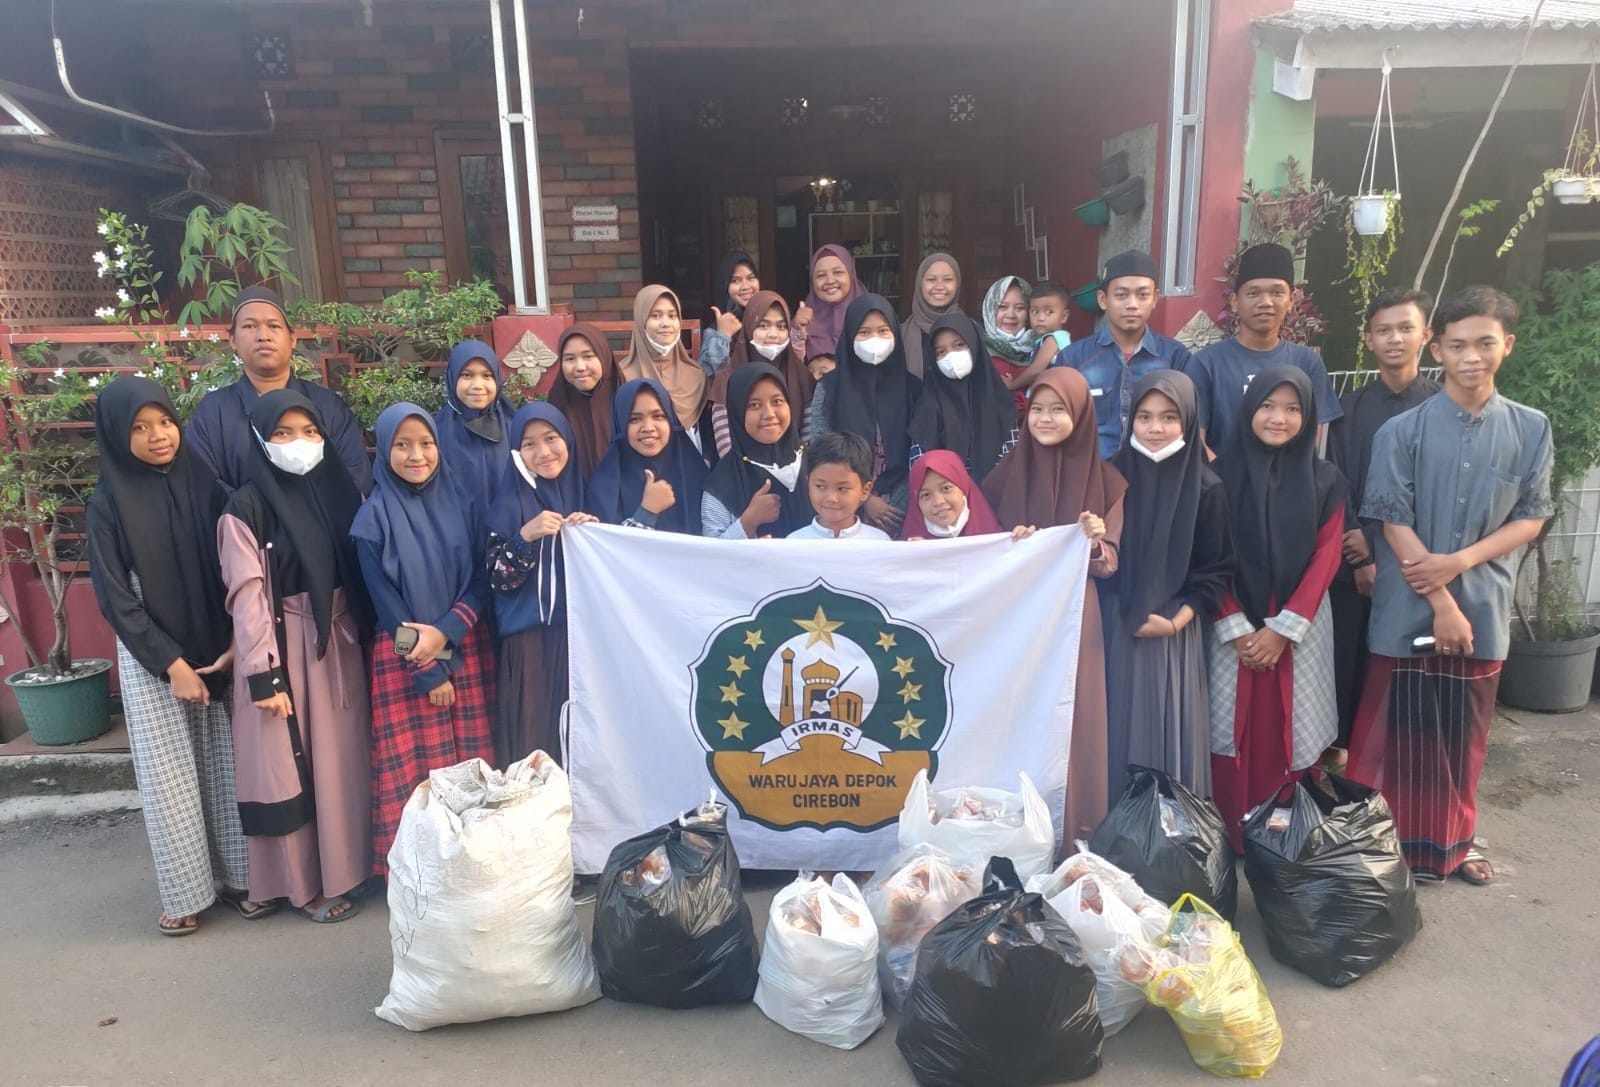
[313, 766]
[1158, 689]
[1088, 791]
[1266, 725]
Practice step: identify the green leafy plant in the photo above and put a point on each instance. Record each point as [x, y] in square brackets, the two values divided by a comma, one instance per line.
[1367, 259]
[1555, 367]
[45, 477]
[218, 249]
[1582, 162]
[1467, 226]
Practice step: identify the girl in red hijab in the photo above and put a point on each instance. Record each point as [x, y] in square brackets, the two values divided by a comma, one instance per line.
[946, 503]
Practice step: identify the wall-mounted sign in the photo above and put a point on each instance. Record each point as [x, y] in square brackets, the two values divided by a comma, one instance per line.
[595, 232]
[594, 213]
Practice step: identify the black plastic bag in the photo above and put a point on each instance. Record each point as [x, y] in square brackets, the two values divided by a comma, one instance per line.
[1334, 892]
[671, 927]
[1169, 840]
[1003, 995]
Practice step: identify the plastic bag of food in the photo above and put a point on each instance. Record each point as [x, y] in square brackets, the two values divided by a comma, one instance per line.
[1170, 840]
[917, 889]
[1334, 892]
[819, 965]
[1200, 974]
[1002, 995]
[1106, 909]
[973, 824]
[481, 918]
[671, 926]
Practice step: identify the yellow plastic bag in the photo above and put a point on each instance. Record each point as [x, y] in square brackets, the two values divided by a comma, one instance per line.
[1209, 987]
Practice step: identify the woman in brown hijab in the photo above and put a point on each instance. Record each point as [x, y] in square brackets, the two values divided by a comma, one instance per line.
[936, 293]
[657, 354]
[765, 337]
[587, 380]
[1054, 476]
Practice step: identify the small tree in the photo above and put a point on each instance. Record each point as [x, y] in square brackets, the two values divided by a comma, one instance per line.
[218, 249]
[1555, 367]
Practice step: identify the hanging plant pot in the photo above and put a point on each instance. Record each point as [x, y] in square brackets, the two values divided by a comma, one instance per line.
[1085, 297]
[1128, 197]
[1575, 190]
[1095, 212]
[1370, 213]
[1113, 170]
[68, 709]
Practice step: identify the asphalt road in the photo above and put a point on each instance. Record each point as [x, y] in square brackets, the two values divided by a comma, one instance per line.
[1501, 986]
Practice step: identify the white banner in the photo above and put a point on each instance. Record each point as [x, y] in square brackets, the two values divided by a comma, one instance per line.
[806, 682]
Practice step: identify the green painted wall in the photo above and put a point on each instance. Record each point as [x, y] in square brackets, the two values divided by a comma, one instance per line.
[1277, 129]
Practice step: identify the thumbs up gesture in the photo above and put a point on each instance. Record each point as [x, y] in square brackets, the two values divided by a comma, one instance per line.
[763, 509]
[658, 496]
[803, 315]
[727, 323]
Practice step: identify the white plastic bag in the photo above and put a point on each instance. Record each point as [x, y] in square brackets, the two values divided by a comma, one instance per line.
[917, 889]
[819, 965]
[481, 918]
[1105, 907]
[972, 824]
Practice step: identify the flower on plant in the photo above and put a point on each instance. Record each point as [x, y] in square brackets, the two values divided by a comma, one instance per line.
[94, 382]
[59, 374]
[104, 229]
[215, 337]
[105, 313]
[122, 266]
[121, 251]
[100, 258]
[122, 296]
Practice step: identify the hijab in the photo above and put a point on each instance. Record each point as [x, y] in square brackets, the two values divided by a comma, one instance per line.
[676, 371]
[1163, 504]
[1279, 498]
[473, 441]
[726, 264]
[426, 534]
[588, 413]
[797, 380]
[738, 476]
[307, 517]
[522, 496]
[980, 516]
[919, 326]
[1016, 346]
[166, 522]
[972, 416]
[872, 402]
[1049, 485]
[617, 485]
[827, 318]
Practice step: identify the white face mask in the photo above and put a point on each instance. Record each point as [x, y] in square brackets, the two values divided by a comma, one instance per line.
[662, 348]
[954, 530]
[771, 351]
[1157, 455]
[296, 457]
[874, 350]
[956, 364]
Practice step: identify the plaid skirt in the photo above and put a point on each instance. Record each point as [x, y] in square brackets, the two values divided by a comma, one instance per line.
[411, 736]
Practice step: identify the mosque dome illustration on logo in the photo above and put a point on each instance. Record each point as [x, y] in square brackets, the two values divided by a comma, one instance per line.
[818, 708]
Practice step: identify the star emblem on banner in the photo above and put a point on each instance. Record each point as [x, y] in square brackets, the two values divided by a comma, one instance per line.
[911, 692]
[886, 641]
[910, 726]
[903, 667]
[753, 639]
[732, 727]
[731, 693]
[820, 628]
[737, 666]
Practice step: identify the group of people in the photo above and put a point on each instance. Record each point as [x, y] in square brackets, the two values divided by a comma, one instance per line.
[1258, 607]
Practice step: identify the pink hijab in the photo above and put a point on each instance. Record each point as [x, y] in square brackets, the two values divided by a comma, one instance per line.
[980, 517]
[827, 318]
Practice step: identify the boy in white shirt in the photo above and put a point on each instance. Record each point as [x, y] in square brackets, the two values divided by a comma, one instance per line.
[838, 473]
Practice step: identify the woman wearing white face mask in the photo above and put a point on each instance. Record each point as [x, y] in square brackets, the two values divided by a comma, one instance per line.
[870, 395]
[964, 406]
[766, 336]
[1173, 567]
[658, 354]
[300, 614]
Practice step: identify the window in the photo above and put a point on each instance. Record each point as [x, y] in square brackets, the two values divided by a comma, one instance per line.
[1191, 42]
[293, 189]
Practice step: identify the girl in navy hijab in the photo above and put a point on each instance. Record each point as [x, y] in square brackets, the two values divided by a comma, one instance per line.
[652, 476]
[420, 543]
[475, 418]
[540, 493]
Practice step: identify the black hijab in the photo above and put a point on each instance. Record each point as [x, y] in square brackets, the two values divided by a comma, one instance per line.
[873, 402]
[304, 521]
[617, 486]
[739, 475]
[973, 416]
[165, 520]
[1279, 498]
[719, 283]
[1162, 506]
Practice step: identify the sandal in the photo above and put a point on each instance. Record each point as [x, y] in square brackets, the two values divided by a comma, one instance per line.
[250, 911]
[324, 915]
[185, 926]
[1479, 875]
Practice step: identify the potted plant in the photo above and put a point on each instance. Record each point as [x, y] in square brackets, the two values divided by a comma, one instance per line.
[45, 478]
[1553, 368]
[1096, 212]
[1578, 179]
[1367, 256]
[1372, 209]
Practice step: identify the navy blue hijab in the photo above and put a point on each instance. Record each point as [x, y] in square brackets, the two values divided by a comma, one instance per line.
[522, 496]
[474, 442]
[618, 481]
[426, 534]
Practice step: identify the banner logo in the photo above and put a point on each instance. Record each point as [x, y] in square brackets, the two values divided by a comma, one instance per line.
[818, 708]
